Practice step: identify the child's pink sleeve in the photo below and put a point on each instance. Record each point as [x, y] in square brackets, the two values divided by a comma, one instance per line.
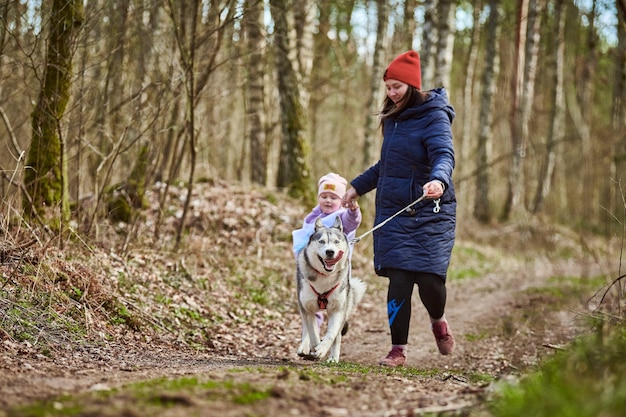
[351, 220]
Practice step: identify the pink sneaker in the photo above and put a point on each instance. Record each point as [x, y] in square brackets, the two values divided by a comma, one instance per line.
[445, 341]
[395, 357]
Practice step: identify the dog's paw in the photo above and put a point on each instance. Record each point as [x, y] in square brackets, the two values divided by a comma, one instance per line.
[309, 357]
[304, 351]
[321, 349]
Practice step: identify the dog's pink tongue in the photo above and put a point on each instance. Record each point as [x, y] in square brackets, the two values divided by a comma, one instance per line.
[331, 262]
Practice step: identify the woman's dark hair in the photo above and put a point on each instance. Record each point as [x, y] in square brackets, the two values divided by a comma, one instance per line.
[412, 98]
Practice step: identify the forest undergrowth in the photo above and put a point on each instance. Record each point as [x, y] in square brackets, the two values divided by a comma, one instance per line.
[227, 293]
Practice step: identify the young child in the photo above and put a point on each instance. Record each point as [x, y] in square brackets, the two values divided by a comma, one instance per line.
[330, 190]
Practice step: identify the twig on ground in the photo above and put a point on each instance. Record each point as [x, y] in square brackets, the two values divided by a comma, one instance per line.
[551, 346]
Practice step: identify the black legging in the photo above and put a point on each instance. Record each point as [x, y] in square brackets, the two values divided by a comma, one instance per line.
[432, 291]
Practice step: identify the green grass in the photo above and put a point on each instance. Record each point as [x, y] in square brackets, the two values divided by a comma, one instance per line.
[31, 317]
[146, 398]
[468, 262]
[586, 380]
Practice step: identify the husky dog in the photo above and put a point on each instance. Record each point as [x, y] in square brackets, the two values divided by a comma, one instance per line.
[324, 283]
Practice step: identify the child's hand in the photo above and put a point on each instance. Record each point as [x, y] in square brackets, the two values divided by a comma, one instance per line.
[352, 205]
[349, 199]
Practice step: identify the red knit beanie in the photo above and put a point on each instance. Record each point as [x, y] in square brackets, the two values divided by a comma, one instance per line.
[406, 68]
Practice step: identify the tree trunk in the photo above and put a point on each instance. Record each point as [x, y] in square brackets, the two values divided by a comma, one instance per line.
[482, 208]
[186, 26]
[254, 93]
[46, 181]
[404, 28]
[408, 23]
[469, 110]
[4, 25]
[304, 14]
[428, 53]
[515, 178]
[374, 99]
[294, 172]
[446, 11]
[533, 37]
[589, 193]
[320, 78]
[557, 126]
[618, 163]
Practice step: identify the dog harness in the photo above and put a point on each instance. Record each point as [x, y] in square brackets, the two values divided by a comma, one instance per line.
[322, 299]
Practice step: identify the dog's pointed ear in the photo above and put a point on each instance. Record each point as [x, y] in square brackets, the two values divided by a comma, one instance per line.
[318, 224]
[338, 224]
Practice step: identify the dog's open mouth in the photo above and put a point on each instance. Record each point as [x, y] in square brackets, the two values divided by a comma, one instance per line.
[329, 263]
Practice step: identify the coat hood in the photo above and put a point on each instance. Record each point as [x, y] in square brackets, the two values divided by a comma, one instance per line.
[437, 100]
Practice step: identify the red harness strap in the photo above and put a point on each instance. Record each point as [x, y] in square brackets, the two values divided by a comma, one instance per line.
[322, 299]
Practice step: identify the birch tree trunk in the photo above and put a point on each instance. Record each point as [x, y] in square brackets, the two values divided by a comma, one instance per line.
[294, 172]
[530, 74]
[304, 13]
[46, 178]
[556, 132]
[446, 10]
[482, 208]
[254, 93]
[428, 52]
[437, 43]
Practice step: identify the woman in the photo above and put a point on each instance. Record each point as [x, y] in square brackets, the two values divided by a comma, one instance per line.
[417, 158]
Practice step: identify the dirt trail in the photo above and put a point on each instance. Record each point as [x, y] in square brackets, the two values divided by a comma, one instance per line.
[475, 307]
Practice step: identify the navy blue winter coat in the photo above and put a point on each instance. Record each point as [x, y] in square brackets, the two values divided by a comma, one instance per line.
[417, 148]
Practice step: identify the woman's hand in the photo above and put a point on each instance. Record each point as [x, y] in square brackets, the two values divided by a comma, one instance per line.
[349, 199]
[433, 189]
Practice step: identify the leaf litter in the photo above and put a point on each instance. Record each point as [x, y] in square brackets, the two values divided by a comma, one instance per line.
[128, 309]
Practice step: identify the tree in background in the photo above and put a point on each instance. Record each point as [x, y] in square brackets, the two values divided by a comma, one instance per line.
[482, 207]
[190, 35]
[516, 119]
[46, 174]
[374, 100]
[555, 133]
[618, 121]
[294, 169]
[253, 20]
[469, 114]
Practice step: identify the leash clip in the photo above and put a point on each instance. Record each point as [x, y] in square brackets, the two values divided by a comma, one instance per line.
[437, 208]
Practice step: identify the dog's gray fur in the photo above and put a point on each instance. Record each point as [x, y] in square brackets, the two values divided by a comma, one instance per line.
[323, 264]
